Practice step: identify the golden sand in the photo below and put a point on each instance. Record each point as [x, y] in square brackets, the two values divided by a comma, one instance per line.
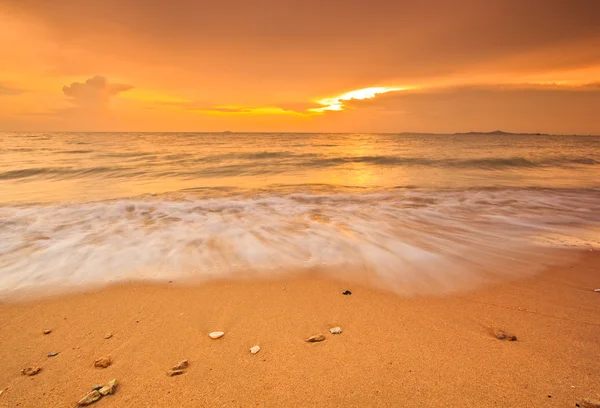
[393, 351]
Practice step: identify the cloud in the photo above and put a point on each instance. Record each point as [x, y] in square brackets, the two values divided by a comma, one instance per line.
[5, 90]
[223, 110]
[316, 44]
[93, 93]
[544, 108]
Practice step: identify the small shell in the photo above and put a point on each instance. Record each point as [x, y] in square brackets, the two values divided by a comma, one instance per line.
[182, 365]
[336, 330]
[29, 371]
[596, 290]
[254, 349]
[216, 335]
[108, 336]
[315, 339]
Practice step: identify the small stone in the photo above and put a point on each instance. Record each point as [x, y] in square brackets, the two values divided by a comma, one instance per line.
[254, 349]
[589, 403]
[108, 336]
[47, 331]
[596, 290]
[315, 339]
[89, 399]
[216, 335]
[181, 365]
[29, 371]
[346, 292]
[503, 335]
[335, 330]
[173, 373]
[1, 392]
[97, 387]
[102, 362]
[52, 354]
[109, 388]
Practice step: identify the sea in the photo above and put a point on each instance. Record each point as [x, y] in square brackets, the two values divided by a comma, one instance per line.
[412, 213]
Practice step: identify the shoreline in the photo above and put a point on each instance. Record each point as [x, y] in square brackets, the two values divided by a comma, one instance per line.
[393, 351]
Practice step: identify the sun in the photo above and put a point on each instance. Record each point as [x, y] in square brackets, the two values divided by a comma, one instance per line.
[337, 103]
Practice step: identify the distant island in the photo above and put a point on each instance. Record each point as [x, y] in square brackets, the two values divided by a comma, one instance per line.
[498, 132]
[492, 133]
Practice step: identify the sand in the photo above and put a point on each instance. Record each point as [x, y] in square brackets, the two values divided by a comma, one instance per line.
[394, 351]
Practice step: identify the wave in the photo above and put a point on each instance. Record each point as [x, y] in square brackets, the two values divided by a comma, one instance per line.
[63, 172]
[235, 164]
[487, 163]
[410, 241]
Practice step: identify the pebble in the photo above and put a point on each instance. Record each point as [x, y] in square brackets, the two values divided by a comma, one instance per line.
[315, 339]
[254, 349]
[108, 336]
[89, 399]
[52, 354]
[596, 290]
[588, 403]
[181, 365]
[503, 335]
[216, 335]
[346, 292]
[102, 362]
[173, 373]
[109, 388]
[47, 331]
[29, 371]
[336, 330]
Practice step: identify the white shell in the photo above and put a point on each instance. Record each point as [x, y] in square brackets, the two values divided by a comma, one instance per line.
[336, 330]
[216, 335]
[254, 349]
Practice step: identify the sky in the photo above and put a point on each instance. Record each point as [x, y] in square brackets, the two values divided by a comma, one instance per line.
[300, 65]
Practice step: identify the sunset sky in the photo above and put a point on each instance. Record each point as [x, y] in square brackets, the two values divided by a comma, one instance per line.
[300, 65]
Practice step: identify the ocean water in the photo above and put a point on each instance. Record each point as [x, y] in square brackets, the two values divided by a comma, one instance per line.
[412, 213]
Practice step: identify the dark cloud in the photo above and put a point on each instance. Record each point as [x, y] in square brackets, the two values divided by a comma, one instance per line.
[94, 92]
[359, 41]
[528, 108]
[5, 90]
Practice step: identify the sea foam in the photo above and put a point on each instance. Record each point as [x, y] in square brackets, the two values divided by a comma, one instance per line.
[409, 241]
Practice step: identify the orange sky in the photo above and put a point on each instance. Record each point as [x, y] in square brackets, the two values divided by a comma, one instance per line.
[292, 65]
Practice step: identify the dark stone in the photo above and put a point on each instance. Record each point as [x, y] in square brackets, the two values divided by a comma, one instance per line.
[504, 335]
[346, 292]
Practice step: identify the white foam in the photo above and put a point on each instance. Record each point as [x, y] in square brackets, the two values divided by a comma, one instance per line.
[410, 241]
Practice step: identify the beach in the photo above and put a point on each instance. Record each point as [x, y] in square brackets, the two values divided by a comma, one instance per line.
[425, 351]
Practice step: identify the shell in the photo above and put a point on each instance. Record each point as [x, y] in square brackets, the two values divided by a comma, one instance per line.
[336, 330]
[216, 334]
[182, 365]
[315, 339]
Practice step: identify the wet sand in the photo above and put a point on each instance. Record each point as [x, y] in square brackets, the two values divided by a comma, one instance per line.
[394, 351]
